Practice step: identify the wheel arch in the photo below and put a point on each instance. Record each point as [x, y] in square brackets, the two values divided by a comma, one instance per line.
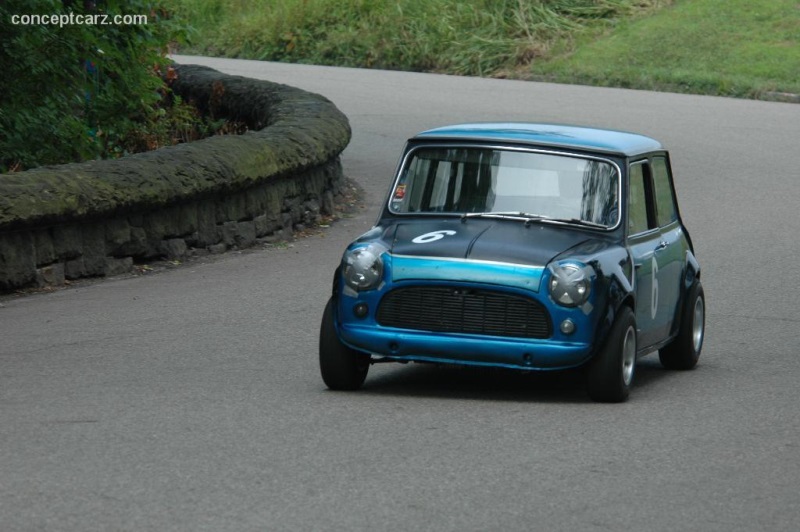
[335, 283]
[692, 271]
[620, 294]
[691, 276]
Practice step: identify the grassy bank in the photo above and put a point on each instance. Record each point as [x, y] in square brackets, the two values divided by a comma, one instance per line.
[470, 37]
[727, 47]
[742, 48]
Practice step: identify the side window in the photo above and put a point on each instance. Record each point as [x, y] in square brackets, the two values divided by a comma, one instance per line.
[637, 200]
[665, 202]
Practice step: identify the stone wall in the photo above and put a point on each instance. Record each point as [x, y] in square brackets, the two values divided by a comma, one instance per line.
[100, 218]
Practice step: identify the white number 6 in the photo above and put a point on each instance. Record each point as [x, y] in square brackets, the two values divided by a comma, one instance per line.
[433, 236]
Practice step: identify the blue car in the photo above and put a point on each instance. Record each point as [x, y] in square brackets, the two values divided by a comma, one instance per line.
[534, 247]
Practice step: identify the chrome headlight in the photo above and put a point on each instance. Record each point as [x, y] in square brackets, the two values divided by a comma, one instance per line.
[363, 267]
[570, 283]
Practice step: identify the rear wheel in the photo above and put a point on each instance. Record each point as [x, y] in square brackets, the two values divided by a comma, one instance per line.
[684, 351]
[610, 373]
[342, 368]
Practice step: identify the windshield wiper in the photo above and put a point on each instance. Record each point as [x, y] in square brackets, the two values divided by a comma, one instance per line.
[577, 221]
[514, 215]
[529, 218]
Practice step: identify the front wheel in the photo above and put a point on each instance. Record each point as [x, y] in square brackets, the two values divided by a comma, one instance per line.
[610, 372]
[684, 351]
[342, 368]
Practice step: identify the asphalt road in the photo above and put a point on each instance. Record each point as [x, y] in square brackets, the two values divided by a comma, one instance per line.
[191, 399]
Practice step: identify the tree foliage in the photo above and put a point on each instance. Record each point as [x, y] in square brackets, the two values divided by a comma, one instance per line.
[79, 91]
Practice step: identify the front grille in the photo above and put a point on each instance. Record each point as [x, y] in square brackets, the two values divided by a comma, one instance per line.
[459, 310]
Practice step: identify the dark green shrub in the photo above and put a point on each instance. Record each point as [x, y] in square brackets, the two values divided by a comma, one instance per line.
[72, 91]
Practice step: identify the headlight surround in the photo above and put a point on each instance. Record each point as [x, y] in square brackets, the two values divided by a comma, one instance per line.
[570, 283]
[363, 267]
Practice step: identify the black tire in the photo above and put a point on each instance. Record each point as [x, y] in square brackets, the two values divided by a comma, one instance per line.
[684, 351]
[342, 368]
[610, 373]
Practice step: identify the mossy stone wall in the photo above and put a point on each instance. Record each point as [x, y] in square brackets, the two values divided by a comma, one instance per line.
[99, 218]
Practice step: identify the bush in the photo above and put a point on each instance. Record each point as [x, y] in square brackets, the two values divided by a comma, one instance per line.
[80, 91]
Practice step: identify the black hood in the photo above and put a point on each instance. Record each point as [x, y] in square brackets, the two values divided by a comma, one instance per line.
[483, 239]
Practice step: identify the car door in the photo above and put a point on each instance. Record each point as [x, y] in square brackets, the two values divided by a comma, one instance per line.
[655, 243]
[672, 257]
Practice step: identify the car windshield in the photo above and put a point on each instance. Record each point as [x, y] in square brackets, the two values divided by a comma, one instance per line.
[508, 182]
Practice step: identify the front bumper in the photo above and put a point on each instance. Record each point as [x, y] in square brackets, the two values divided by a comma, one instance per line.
[558, 351]
[464, 349]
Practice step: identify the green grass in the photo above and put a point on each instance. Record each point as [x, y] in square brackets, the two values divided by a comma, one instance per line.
[727, 47]
[738, 48]
[470, 37]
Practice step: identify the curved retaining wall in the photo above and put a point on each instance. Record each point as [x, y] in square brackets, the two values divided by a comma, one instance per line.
[99, 218]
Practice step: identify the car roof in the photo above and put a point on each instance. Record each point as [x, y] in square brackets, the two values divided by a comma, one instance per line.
[554, 135]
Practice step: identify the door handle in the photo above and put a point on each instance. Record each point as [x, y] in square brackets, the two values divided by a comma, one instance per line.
[661, 245]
